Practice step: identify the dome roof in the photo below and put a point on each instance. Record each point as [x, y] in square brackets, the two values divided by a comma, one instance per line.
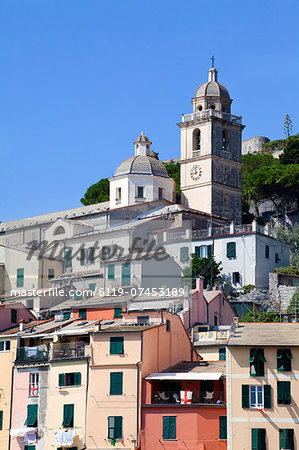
[212, 89]
[142, 165]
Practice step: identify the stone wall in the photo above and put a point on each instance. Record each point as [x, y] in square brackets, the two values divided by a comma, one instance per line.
[253, 145]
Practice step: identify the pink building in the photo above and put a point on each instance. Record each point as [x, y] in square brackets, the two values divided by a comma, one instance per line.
[12, 313]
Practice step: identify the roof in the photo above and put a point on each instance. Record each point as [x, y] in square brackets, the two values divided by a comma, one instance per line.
[92, 302]
[211, 295]
[142, 165]
[119, 327]
[192, 370]
[142, 138]
[212, 89]
[266, 334]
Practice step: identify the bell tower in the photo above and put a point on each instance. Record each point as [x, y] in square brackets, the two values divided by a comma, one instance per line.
[211, 149]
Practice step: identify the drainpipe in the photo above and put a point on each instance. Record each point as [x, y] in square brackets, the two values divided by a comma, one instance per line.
[138, 392]
[86, 396]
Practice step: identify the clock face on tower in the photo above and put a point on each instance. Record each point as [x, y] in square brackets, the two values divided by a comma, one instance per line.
[195, 172]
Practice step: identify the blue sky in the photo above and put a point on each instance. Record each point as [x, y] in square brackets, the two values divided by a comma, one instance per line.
[79, 80]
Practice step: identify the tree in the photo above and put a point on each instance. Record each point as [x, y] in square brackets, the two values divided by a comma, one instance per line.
[293, 307]
[207, 268]
[96, 193]
[174, 171]
[267, 316]
[290, 153]
[291, 238]
[287, 126]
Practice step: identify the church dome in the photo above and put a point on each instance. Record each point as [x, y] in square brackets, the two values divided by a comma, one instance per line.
[142, 165]
[212, 89]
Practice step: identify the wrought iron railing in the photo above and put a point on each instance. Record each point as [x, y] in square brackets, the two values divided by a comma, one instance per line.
[39, 353]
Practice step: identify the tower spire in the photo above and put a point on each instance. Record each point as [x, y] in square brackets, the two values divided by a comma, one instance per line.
[213, 60]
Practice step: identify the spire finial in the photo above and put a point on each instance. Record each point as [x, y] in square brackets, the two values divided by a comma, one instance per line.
[213, 60]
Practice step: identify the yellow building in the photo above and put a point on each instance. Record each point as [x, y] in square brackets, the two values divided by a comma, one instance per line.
[7, 356]
[263, 386]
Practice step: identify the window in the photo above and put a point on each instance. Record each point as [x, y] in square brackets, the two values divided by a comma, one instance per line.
[92, 286]
[117, 313]
[59, 230]
[33, 235]
[236, 278]
[215, 321]
[87, 256]
[83, 313]
[142, 319]
[222, 354]
[160, 193]
[140, 193]
[204, 251]
[116, 346]
[111, 272]
[33, 384]
[126, 274]
[196, 142]
[69, 379]
[222, 427]
[258, 439]
[169, 427]
[66, 315]
[231, 250]
[105, 251]
[116, 383]
[30, 447]
[68, 258]
[13, 316]
[284, 360]
[78, 295]
[115, 427]
[256, 396]
[118, 194]
[224, 141]
[68, 416]
[257, 361]
[184, 254]
[276, 258]
[267, 251]
[286, 439]
[283, 392]
[51, 274]
[1, 420]
[20, 277]
[168, 325]
[31, 420]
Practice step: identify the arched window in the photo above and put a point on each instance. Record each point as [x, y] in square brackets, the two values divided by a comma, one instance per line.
[212, 106]
[199, 108]
[196, 142]
[224, 141]
[59, 230]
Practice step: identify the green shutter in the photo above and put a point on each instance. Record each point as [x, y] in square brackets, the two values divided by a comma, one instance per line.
[115, 427]
[166, 427]
[91, 255]
[245, 396]
[117, 313]
[283, 392]
[68, 257]
[222, 427]
[82, 256]
[126, 274]
[209, 251]
[61, 379]
[254, 439]
[77, 379]
[83, 313]
[1, 420]
[231, 250]
[111, 272]
[68, 416]
[92, 286]
[262, 439]
[172, 427]
[286, 438]
[14, 316]
[116, 383]
[31, 420]
[184, 254]
[20, 277]
[222, 354]
[116, 345]
[284, 360]
[267, 396]
[197, 251]
[51, 274]
[29, 447]
[257, 361]
[78, 296]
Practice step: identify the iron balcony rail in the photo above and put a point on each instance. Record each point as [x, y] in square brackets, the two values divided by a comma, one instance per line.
[198, 397]
[39, 353]
[67, 352]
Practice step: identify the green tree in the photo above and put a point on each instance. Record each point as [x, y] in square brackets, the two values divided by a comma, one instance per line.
[290, 153]
[293, 307]
[96, 193]
[291, 238]
[267, 316]
[174, 171]
[287, 126]
[207, 268]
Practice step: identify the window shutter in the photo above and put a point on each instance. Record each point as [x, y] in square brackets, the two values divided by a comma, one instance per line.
[20, 277]
[126, 274]
[209, 251]
[118, 428]
[77, 378]
[91, 255]
[92, 286]
[68, 415]
[166, 427]
[254, 439]
[267, 396]
[31, 420]
[231, 250]
[283, 392]
[222, 354]
[184, 254]
[82, 256]
[14, 315]
[245, 396]
[117, 313]
[111, 423]
[1, 420]
[83, 313]
[222, 427]
[61, 379]
[282, 439]
[197, 251]
[68, 258]
[116, 383]
[172, 427]
[111, 271]
[116, 345]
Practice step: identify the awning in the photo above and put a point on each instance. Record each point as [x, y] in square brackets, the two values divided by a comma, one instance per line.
[185, 376]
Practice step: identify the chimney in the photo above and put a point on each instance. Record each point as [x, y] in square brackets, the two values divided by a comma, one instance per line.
[22, 325]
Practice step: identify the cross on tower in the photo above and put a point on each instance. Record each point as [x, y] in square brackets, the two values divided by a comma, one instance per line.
[213, 60]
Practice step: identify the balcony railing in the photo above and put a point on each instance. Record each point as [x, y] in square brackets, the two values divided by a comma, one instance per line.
[198, 397]
[211, 113]
[39, 353]
[70, 352]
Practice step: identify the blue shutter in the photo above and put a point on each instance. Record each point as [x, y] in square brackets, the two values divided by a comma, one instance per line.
[126, 274]
[20, 277]
[245, 396]
[111, 272]
[267, 396]
[116, 383]
[61, 379]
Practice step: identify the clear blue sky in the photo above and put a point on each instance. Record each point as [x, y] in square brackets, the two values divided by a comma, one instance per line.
[79, 80]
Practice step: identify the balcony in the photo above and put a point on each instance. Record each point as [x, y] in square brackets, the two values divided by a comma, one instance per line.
[32, 354]
[212, 113]
[67, 351]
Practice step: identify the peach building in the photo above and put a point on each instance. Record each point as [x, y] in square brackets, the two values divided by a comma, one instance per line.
[7, 356]
[122, 355]
[263, 386]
